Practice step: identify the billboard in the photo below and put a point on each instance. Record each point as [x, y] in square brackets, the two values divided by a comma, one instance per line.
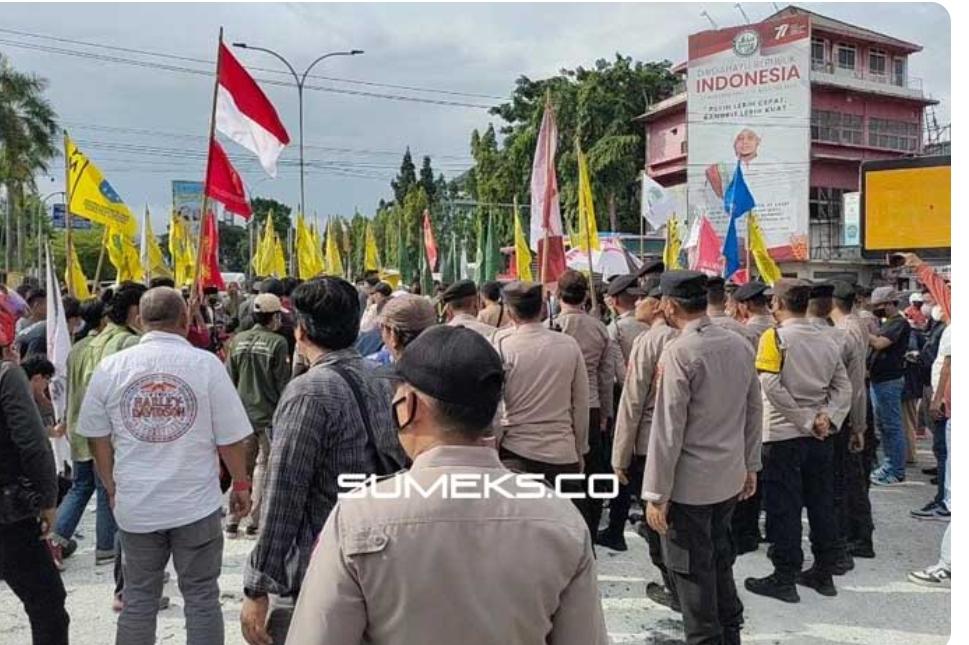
[187, 199]
[749, 105]
[906, 205]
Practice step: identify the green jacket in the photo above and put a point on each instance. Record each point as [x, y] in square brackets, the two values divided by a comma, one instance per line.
[259, 366]
[81, 362]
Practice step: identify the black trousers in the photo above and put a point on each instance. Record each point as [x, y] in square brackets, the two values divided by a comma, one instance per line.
[619, 507]
[550, 472]
[596, 463]
[746, 519]
[26, 566]
[799, 473]
[699, 555]
[856, 521]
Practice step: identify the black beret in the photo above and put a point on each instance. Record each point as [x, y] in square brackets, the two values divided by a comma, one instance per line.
[822, 290]
[750, 290]
[459, 290]
[683, 284]
[787, 286]
[843, 290]
[628, 283]
[850, 278]
[518, 292]
[655, 292]
[651, 286]
[650, 266]
[716, 284]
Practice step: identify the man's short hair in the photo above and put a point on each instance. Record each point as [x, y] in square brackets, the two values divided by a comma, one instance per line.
[383, 289]
[716, 292]
[273, 286]
[263, 318]
[161, 307]
[757, 302]
[573, 287]
[125, 296]
[37, 364]
[523, 299]
[796, 300]
[693, 305]
[329, 310]
[161, 281]
[491, 291]
[289, 285]
[72, 307]
[372, 278]
[92, 311]
[34, 295]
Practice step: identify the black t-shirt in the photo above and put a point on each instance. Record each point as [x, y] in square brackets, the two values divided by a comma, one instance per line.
[889, 364]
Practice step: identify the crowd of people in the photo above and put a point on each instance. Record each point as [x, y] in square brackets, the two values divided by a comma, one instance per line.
[713, 409]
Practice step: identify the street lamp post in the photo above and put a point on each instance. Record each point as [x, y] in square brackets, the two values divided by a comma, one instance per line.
[300, 81]
[41, 209]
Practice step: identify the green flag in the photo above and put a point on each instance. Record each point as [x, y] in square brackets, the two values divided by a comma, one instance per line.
[403, 263]
[492, 254]
[479, 255]
[449, 264]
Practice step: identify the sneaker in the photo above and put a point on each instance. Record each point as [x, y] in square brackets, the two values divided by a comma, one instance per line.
[773, 587]
[884, 478]
[937, 513]
[820, 582]
[662, 595]
[611, 540]
[232, 531]
[934, 576]
[252, 532]
[103, 557]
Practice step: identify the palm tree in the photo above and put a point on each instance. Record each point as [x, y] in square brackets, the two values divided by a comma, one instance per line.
[28, 129]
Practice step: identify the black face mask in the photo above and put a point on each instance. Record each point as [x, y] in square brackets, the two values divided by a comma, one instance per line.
[410, 417]
[879, 312]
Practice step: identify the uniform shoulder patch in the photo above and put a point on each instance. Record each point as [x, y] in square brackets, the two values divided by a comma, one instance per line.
[770, 355]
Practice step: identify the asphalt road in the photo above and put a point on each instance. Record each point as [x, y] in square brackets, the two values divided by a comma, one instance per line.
[875, 602]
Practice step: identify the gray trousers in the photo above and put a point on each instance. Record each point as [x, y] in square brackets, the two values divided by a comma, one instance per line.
[196, 550]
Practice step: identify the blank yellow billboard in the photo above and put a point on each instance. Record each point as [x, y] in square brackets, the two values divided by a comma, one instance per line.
[907, 208]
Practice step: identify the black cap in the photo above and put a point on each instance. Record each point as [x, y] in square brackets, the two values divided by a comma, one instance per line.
[459, 290]
[628, 283]
[822, 290]
[451, 364]
[863, 290]
[651, 286]
[518, 292]
[650, 266]
[750, 290]
[843, 290]
[683, 284]
[731, 287]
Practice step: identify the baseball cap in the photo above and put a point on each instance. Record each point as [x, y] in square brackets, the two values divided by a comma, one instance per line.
[915, 297]
[267, 303]
[451, 364]
[408, 312]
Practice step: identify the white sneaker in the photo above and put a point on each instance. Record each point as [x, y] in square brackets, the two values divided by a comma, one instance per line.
[934, 576]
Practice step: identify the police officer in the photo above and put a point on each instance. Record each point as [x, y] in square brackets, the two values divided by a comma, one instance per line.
[622, 295]
[807, 396]
[703, 454]
[853, 354]
[752, 304]
[461, 308]
[717, 312]
[855, 520]
[593, 339]
[544, 411]
[370, 579]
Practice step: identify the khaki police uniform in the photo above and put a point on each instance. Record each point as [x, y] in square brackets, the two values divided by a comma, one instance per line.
[495, 315]
[413, 571]
[704, 438]
[467, 320]
[623, 331]
[802, 374]
[734, 325]
[757, 324]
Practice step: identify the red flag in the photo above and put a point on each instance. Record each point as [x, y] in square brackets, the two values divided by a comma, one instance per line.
[707, 258]
[209, 273]
[546, 216]
[245, 115]
[430, 245]
[224, 184]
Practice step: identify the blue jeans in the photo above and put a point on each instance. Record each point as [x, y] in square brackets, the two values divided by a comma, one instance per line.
[886, 398]
[69, 514]
[940, 449]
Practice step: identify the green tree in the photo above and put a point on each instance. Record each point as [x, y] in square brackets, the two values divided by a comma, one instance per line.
[405, 179]
[427, 181]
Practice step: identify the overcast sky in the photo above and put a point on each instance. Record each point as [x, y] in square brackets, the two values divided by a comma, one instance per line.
[471, 49]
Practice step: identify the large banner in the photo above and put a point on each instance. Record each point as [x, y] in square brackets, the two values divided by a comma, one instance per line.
[749, 103]
[187, 199]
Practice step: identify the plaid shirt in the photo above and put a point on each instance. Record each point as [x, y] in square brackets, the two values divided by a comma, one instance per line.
[318, 433]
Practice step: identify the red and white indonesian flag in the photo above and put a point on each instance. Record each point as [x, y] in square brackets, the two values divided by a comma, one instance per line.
[545, 213]
[245, 115]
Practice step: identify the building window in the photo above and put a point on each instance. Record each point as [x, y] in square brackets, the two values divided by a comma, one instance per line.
[846, 56]
[824, 206]
[877, 62]
[893, 135]
[818, 53]
[898, 71]
[835, 127]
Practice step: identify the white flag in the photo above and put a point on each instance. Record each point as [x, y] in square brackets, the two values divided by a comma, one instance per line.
[657, 204]
[58, 347]
[464, 273]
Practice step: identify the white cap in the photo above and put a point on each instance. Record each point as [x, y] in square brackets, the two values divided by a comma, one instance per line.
[915, 297]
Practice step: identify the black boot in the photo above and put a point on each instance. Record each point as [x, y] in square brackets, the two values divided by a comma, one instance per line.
[663, 595]
[861, 549]
[731, 636]
[773, 586]
[610, 539]
[817, 580]
[843, 564]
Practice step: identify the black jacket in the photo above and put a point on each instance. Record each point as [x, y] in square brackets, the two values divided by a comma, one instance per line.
[25, 450]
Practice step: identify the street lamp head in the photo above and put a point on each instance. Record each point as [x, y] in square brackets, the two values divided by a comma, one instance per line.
[240, 45]
[354, 52]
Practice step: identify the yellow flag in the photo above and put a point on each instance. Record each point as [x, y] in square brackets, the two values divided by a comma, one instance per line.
[152, 260]
[263, 248]
[182, 250]
[305, 253]
[768, 269]
[123, 255]
[332, 264]
[74, 279]
[523, 257]
[92, 197]
[588, 233]
[269, 259]
[671, 251]
[277, 261]
[371, 257]
[317, 249]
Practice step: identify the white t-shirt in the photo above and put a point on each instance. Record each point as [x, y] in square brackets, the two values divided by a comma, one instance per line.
[945, 349]
[166, 406]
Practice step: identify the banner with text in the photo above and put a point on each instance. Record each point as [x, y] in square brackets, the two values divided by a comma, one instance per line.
[187, 199]
[749, 102]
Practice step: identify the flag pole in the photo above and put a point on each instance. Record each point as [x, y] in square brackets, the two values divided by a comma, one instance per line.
[97, 271]
[747, 244]
[588, 233]
[69, 235]
[642, 221]
[208, 166]
[546, 205]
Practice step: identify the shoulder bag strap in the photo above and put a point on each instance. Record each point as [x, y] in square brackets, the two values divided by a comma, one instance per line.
[386, 468]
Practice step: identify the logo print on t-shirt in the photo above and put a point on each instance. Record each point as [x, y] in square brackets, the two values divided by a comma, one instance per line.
[158, 408]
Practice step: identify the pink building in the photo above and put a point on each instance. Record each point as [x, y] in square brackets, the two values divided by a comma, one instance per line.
[864, 106]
